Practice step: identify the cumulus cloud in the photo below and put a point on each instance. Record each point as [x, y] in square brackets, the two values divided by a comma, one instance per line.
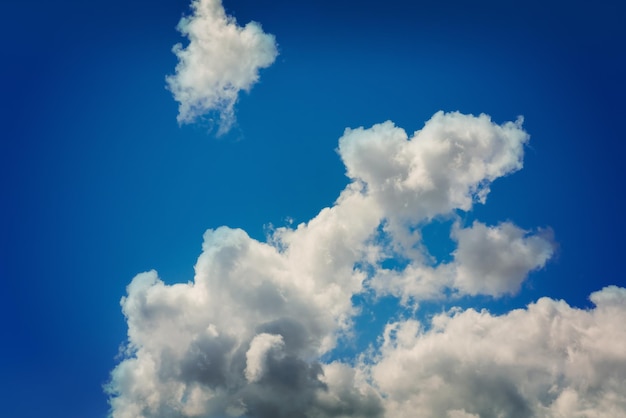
[447, 165]
[251, 334]
[244, 338]
[220, 60]
[488, 260]
[495, 260]
[548, 360]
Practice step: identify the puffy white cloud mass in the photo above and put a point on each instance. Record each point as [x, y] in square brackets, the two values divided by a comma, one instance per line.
[220, 60]
[549, 360]
[252, 334]
[488, 260]
[496, 260]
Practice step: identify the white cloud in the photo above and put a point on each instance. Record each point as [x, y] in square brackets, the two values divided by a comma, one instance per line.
[247, 336]
[244, 336]
[220, 60]
[496, 260]
[549, 360]
[488, 260]
[447, 165]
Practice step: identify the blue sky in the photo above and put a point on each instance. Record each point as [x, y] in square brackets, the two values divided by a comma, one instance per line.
[100, 182]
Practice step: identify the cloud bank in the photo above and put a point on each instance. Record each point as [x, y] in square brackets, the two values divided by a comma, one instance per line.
[253, 334]
[220, 60]
[248, 337]
[548, 360]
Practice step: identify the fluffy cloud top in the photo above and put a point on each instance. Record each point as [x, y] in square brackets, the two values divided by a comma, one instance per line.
[220, 60]
[495, 260]
[549, 360]
[488, 260]
[445, 166]
[247, 337]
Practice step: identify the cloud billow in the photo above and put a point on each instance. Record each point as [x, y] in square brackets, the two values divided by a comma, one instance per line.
[220, 60]
[247, 337]
[548, 360]
[250, 336]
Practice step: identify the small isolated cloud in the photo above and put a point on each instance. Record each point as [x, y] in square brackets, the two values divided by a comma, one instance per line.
[220, 60]
[250, 335]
